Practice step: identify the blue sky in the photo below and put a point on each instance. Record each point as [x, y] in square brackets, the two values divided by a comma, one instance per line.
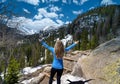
[37, 14]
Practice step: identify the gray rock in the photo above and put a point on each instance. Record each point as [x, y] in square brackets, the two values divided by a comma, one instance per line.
[103, 63]
[38, 79]
[47, 69]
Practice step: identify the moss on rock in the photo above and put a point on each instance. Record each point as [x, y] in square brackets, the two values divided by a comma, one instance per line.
[112, 72]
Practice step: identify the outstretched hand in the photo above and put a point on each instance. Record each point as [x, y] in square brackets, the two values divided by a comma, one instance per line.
[41, 39]
[76, 42]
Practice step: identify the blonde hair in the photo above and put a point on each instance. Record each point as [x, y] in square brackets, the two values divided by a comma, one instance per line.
[59, 49]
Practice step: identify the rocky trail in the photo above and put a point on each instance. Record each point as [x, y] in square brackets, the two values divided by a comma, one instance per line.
[42, 75]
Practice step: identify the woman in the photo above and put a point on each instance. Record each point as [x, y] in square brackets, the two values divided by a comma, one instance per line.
[58, 53]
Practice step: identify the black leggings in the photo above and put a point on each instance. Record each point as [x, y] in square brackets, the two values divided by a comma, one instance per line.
[59, 74]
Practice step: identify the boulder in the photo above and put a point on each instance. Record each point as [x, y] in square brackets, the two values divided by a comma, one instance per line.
[38, 79]
[47, 69]
[103, 64]
[77, 70]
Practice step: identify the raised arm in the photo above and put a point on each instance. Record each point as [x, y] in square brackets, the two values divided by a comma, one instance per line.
[71, 46]
[46, 46]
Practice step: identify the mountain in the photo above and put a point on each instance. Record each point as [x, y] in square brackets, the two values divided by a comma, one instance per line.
[9, 36]
[93, 27]
[27, 31]
[99, 24]
[34, 15]
[49, 28]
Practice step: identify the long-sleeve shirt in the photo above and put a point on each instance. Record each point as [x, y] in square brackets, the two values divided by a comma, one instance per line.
[57, 63]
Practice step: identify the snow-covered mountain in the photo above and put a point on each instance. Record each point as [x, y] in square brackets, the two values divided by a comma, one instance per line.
[27, 31]
[50, 28]
[38, 14]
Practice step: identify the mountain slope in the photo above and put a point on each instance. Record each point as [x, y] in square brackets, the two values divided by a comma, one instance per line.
[101, 22]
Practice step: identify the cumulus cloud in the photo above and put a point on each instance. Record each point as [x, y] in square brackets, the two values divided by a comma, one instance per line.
[42, 12]
[77, 12]
[91, 8]
[64, 1]
[25, 10]
[83, 1]
[33, 2]
[76, 2]
[54, 8]
[54, 0]
[43, 1]
[32, 26]
[40, 21]
[59, 22]
[61, 15]
[38, 24]
[47, 16]
[107, 2]
[67, 22]
[38, 17]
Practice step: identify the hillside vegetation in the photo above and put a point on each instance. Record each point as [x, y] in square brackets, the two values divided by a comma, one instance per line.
[96, 26]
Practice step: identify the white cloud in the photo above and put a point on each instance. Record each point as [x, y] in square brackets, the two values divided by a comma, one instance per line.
[43, 1]
[77, 12]
[38, 17]
[43, 13]
[31, 26]
[39, 24]
[91, 8]
[83, 1]
[61, 15]
[33, 2]
[67, 17]
[59, 22]
[67, 1]
[64, 1]
[76, 2]
[25, 10]
[107, 2]
[54, 0]
[67, 22]
[43, 18]
[54, 8]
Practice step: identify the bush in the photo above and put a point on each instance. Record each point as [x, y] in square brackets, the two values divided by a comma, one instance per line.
[12, 72]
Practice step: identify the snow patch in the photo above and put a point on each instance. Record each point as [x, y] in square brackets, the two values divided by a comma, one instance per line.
[2, 75]
[27, 81]
[68, 38]
[65, 77]
[29, 70]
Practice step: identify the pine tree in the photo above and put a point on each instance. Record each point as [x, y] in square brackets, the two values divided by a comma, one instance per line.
[13, 71]
[84, 40]
[49, 57]
[28, 52]
[94, 42]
